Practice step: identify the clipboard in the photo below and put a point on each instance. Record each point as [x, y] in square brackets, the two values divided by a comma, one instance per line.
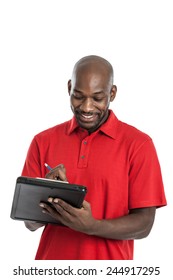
[29, 192]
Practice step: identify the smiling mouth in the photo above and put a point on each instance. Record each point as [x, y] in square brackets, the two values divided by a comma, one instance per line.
[87, 117]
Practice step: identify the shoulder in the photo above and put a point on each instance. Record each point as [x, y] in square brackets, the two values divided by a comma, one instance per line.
[125, 131]
[130, 132]
[52, 132]
[134, 139]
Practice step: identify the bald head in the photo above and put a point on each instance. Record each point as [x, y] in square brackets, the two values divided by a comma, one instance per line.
[91, 90]
[94, 65]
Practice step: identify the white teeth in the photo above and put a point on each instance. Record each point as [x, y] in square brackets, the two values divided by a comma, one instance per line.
[87, 117]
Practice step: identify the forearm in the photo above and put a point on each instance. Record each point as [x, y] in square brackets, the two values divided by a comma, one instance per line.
[136, 225]
[33, 225]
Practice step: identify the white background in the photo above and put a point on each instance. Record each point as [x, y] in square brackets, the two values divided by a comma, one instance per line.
[40, 42]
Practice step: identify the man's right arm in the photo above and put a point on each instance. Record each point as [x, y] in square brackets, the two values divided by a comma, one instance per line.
[33, 225]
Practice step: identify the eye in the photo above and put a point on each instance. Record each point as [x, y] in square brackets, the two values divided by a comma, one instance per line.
[97, 99]
[78, 97]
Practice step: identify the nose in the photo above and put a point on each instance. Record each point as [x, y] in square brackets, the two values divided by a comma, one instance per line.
[87, 105]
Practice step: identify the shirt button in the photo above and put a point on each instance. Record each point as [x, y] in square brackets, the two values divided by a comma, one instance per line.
[82, 156]
[85, 142]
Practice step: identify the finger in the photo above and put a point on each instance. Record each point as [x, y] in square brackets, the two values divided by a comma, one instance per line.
[62, 206]
[86, 205]
[51, 212]
[62, 174]
[59, 172]
[53, 174]
[61, 166]
[46, 208]
[49, 175]
[63, 215]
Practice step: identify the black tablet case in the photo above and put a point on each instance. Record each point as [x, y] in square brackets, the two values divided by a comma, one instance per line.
[29, 192]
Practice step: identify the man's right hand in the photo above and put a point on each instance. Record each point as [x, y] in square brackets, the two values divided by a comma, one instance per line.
[57, 173]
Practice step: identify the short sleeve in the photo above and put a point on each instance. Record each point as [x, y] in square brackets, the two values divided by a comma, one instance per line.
[145, 179]
[32, 163]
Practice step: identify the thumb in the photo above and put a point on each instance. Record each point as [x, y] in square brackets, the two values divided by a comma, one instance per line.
[86, 205]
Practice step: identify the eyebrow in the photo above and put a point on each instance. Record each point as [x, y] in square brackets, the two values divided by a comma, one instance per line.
[97, 92]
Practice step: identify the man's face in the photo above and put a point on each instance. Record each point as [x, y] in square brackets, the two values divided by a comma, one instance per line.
[90, 95]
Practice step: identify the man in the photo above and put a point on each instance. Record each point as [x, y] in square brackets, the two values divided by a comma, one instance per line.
[117, 163]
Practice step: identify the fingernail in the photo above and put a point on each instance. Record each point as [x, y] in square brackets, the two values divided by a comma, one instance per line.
[50, 199]
[41, 204]
[56, 200]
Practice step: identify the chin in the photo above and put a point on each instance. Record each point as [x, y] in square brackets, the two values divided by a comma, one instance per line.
[86, 126]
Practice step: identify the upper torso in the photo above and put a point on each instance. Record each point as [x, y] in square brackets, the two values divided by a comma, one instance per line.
[113, 163]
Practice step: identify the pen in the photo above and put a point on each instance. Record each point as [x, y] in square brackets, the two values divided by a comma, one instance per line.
[48, 167]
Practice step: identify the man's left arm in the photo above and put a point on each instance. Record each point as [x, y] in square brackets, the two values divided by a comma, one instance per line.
[137, 224]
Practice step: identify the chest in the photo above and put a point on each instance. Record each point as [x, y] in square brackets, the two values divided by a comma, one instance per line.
[100, 158]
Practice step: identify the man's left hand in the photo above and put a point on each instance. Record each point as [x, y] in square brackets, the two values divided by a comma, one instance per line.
[75, 218]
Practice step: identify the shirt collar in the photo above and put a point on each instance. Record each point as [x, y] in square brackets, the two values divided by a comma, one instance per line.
[72, 126]
[109, 128]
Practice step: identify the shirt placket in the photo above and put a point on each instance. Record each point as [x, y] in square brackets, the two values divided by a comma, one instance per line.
[84, 153]
[84, 150]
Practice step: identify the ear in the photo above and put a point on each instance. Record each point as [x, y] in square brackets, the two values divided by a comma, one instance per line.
[113, 92]
[69, 86]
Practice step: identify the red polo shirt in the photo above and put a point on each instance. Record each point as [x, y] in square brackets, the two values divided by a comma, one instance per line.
[120, 168]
